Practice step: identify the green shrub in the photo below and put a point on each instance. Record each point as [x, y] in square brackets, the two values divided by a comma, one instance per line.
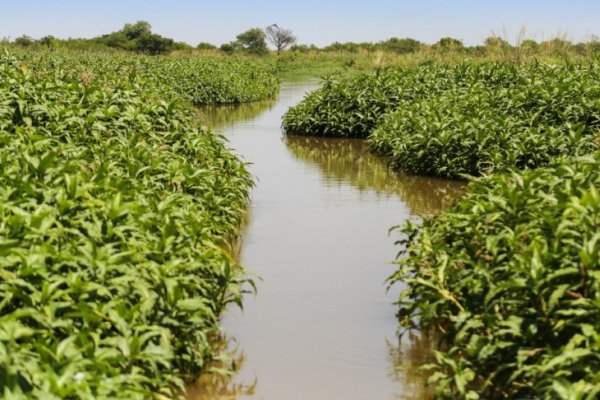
[198, 80]
[351, 106]
[509, 278]
[462, 119]
[115, 210]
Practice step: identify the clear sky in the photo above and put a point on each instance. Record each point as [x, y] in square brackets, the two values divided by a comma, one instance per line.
[319, 22]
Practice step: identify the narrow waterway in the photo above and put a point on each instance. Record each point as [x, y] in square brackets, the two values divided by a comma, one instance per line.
[321, 325]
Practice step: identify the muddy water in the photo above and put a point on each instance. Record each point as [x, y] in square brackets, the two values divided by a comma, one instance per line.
[321, 325]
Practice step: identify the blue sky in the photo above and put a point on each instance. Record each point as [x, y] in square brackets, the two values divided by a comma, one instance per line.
[319, 22]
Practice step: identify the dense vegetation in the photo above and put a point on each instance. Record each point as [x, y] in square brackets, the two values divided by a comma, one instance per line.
[494, 117]
[351, 106]
[116, 208]
[196, 80]
[215, 81]
[137, 37]
[461, 119]
[510, 279]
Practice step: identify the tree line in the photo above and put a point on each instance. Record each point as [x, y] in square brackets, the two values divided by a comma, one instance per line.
[138, 37]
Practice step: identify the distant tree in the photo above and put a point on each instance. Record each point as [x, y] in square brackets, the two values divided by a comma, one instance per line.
[500, 47]
[24, 41]
[116, 40]
[206, 46]
[253, 41]
[401, 46]
[181, 46]
[134, 31]
[279, 37]
[449, 43]
[153, 44]
[335, 46]
[496, 42]
[300, 48]
[529, 45]
[48, 41]
[558, 46]
[139, 37]
[229, 48]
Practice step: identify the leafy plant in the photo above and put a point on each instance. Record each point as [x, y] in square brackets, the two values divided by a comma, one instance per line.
[495, 117]
[115, 213]
[509, 278]
[462, 119]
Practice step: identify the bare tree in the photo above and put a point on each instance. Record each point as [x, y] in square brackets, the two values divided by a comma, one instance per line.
[280, 38]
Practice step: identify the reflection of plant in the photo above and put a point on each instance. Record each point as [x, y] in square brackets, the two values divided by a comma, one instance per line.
[349, 160]
[220, 115]
[406, 362]
[218, 382]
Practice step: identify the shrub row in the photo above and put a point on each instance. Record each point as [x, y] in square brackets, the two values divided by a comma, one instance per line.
[198, 80]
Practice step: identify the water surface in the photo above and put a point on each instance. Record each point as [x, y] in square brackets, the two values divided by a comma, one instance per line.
[321, 325]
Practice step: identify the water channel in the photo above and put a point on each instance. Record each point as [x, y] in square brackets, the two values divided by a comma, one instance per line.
[321, 325]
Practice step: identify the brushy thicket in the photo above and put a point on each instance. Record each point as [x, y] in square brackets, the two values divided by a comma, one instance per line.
[509, 278]
[462, 119]
[115, 209]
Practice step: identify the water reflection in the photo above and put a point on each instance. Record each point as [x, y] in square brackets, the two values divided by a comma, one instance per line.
[220, 115]
[219, 382]
[350, 161]
[321, 325]
[405, 360]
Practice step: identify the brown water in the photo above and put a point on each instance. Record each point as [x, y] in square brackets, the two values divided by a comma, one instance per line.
[321, 325]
